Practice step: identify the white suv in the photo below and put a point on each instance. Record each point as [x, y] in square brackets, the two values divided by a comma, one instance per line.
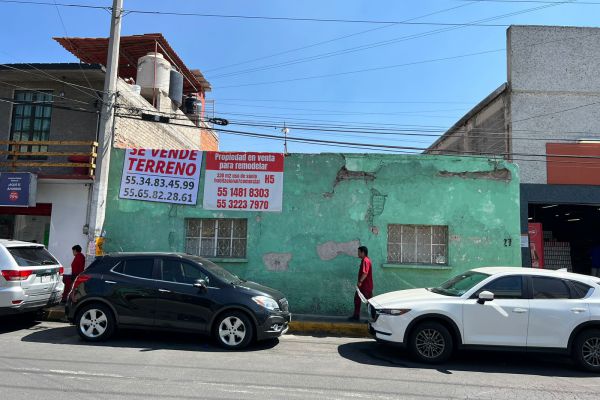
[496, 308]
[30, 279]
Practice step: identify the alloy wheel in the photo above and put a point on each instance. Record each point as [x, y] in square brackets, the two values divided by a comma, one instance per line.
[232, 331]
[93, 323]
[430, 343]
[590, 351]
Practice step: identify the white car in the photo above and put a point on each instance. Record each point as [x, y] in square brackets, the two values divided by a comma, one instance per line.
[31, 278]
[495, 308]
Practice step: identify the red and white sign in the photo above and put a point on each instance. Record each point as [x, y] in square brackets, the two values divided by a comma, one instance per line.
[536, 244]
[164, 176]
[243, 181]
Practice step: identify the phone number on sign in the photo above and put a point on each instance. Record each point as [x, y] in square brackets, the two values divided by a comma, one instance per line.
[244, 204]
[159, 182]
[146, 194]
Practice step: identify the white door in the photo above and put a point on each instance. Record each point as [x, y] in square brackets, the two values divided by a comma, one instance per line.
[555, 311]
[502, 321]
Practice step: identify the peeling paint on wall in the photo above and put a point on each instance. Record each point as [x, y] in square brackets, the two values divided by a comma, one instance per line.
[501, 174]
[330, 250]
[277, 261]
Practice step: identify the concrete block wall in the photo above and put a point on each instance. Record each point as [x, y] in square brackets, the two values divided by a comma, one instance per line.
[553, 73]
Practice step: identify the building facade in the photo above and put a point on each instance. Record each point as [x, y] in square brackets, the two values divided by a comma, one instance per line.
[545, 118]
[423, 218]
[49, 121]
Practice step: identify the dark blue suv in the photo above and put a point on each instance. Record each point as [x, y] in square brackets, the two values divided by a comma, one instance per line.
[170, 291]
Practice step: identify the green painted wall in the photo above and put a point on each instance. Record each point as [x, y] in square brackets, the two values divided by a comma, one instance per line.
[331, 203]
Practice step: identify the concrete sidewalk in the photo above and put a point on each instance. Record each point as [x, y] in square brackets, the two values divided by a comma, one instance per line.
[302, 324]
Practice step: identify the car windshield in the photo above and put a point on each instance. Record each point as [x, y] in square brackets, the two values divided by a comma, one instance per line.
[217, 271]
[460, 284]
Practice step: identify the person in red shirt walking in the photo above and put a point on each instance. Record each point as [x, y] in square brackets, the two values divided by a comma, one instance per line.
[365, 281]
[78, 263]
[77, 266]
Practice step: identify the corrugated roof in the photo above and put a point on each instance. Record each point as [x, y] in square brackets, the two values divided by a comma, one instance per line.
[94, 51]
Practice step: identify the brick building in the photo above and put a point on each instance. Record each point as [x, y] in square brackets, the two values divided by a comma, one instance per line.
[52, 110]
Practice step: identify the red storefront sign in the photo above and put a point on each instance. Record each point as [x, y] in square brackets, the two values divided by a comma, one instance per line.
[243, 181]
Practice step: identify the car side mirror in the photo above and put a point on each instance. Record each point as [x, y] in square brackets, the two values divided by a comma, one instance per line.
[201, 284]
[485, 296]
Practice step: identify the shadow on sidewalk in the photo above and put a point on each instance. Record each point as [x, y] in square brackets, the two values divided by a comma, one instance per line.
[373, 353]
[139, 339]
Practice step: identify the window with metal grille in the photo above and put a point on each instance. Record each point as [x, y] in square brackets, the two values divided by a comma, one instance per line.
[216, 238]
[31, 118]
[417, 244]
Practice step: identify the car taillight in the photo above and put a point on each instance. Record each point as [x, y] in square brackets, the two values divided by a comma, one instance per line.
[79, 280]
[16, 275]
[61, 270]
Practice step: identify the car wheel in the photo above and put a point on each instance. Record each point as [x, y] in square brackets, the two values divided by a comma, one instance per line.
[233, 330]
[95, 322]
[431, 342]
[586, 350]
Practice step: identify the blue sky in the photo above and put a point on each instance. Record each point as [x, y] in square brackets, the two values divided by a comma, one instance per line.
[427, 96]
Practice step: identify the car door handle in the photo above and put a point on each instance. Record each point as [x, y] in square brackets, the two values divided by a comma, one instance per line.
[164, 291]
[578, 310]
[520, 310]
[110, 282]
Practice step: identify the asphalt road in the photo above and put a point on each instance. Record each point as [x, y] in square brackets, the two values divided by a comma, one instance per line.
[48, 361]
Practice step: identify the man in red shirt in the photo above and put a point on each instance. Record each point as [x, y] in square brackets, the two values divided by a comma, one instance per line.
[78, 263]
[365, 281]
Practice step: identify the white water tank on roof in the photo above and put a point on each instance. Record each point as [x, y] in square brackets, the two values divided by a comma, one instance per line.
[153, 72]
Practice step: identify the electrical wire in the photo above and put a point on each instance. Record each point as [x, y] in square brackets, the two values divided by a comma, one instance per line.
[471, 2]
[39, 91]
[382, 146]
[62, 22]
[55, 79]
[380, 68]
[386, 42]
[343, 101]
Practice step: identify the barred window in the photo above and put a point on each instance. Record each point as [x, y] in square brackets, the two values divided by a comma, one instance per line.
[417, 244]
[216, 238]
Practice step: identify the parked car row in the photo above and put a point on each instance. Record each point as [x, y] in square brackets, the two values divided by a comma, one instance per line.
[500, 308]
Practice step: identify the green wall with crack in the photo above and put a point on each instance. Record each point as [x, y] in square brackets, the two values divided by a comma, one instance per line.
[334, 202]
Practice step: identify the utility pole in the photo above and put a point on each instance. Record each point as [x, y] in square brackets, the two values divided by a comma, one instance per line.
[98, 205]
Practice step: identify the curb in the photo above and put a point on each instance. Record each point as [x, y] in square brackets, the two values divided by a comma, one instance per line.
[321, 328]
[54, 314]
[299, 327]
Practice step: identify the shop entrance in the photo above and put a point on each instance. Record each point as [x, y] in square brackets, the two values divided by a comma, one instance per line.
[568, 234]
[29, 224]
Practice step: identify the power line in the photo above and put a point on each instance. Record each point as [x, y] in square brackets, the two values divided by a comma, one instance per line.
[62, 22]
[386, 42]
[345, 101]
[363, 70]
[525, 47]
[53, 78]
[338, 38]
[351, 112]
[382, 146]
[46, 93]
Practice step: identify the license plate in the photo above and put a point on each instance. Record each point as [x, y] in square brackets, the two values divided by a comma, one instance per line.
[46, 278]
